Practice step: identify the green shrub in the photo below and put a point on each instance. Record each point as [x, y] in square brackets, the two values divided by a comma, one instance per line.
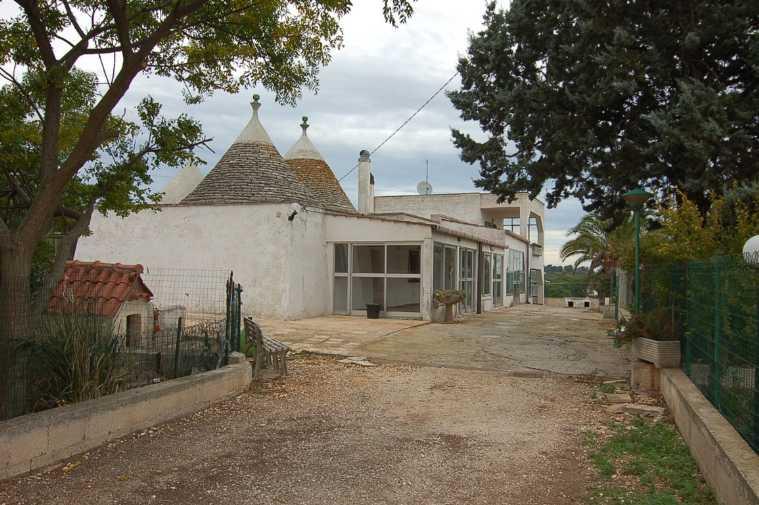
[73, 358]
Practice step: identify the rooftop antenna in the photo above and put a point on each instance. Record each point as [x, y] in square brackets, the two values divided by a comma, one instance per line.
[424, 188]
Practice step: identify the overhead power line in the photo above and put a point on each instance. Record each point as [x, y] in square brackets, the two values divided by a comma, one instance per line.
[407, 121]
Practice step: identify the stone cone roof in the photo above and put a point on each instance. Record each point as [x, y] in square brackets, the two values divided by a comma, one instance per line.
[311, 169]
[251, 171]
[181, 184]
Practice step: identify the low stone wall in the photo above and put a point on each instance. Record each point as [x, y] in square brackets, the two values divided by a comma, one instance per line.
[36, 440]
[728, 463]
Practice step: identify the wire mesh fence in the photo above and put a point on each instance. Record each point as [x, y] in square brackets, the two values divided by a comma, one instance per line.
[713, 308]
[107, 328]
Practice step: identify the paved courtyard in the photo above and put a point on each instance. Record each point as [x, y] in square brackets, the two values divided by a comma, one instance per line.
[338, 335]
[523, 340]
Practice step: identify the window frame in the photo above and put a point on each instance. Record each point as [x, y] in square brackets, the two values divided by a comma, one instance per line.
[487, 270]
[385, 275]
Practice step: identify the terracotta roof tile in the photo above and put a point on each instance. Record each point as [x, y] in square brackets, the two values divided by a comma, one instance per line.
[98, 288]
[322, 184]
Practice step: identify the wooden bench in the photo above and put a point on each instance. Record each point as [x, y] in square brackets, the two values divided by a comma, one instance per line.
[270, 353]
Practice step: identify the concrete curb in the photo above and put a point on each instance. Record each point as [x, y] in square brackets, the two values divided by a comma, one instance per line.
[729, 464]
[36, 440]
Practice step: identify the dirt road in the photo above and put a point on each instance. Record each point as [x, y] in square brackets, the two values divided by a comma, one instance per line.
[342, 434]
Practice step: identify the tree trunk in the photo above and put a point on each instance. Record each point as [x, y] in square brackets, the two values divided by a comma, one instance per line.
[15, 311]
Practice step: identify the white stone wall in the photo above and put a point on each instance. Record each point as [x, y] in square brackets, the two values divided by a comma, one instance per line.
[251, 240]
[307, 284]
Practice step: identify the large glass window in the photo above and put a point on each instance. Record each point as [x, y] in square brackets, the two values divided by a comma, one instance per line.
[512, 224]
[369, 259]
[403, 294]
[445, 267]
[367, 290]
[498, 279]
[533, 230]
[340, 295]
[341, 258]
[515, 273]
[403, 259]
[450, 267]
[438, 271]
[486, 274]
[385, 275]
[466, 277]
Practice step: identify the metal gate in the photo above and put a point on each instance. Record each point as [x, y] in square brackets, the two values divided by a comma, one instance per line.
[233, 316]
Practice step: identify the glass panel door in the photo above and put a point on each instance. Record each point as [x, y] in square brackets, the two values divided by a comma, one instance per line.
[498, 279]
[467, 279]
[340, 285]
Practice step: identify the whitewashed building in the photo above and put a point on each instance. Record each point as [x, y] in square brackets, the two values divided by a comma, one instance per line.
[299, 247]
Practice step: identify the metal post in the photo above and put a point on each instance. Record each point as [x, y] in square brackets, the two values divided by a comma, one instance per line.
[637, 260]
[180, 324]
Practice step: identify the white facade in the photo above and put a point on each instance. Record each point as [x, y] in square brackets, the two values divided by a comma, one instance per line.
[296, 261]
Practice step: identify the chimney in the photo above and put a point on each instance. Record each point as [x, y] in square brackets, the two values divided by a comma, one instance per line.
[365, 184]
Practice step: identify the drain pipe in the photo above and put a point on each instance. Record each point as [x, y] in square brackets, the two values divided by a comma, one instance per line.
[479, 277]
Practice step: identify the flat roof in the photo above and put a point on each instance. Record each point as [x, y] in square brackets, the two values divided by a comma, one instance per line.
[478, 193]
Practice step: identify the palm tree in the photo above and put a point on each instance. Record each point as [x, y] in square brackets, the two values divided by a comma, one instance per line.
[595, 244]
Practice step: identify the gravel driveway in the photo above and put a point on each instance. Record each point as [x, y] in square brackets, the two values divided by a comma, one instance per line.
[343, 434]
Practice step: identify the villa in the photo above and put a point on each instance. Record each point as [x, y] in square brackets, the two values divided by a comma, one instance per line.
[300, 248]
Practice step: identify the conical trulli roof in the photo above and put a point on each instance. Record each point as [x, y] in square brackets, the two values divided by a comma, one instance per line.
[181, 184]
[251, 171]
[311, 169]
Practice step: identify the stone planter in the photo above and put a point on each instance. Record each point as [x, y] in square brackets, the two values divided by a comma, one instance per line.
[662, 353]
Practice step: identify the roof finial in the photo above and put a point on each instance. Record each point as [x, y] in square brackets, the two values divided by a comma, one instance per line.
[254, 132]
[304, 124]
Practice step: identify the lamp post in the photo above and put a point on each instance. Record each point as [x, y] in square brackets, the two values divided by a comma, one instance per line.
[635, 199]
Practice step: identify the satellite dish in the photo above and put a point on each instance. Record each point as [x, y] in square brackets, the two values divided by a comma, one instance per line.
[424, 188]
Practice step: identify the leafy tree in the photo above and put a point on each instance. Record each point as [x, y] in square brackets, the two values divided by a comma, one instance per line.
[595, 244]
[685, 234]
[75, 155]
[597, 97]
[115, 178]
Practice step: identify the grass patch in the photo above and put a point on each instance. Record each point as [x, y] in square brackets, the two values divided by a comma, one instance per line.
[607, 388]
[646, 463]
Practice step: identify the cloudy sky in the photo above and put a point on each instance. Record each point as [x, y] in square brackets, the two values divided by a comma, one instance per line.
[381, 76]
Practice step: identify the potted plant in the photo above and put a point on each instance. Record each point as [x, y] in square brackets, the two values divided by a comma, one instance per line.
[449, 298]
[653, 338]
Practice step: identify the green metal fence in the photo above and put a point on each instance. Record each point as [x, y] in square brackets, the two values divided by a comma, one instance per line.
[713, 307]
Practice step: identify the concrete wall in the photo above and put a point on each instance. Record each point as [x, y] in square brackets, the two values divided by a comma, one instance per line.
[252, 240]
[307, 267]
[463, 206]
[728, 463]
[36, 440]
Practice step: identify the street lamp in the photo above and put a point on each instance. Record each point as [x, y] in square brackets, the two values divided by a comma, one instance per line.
[635, 199]
[751, 250]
